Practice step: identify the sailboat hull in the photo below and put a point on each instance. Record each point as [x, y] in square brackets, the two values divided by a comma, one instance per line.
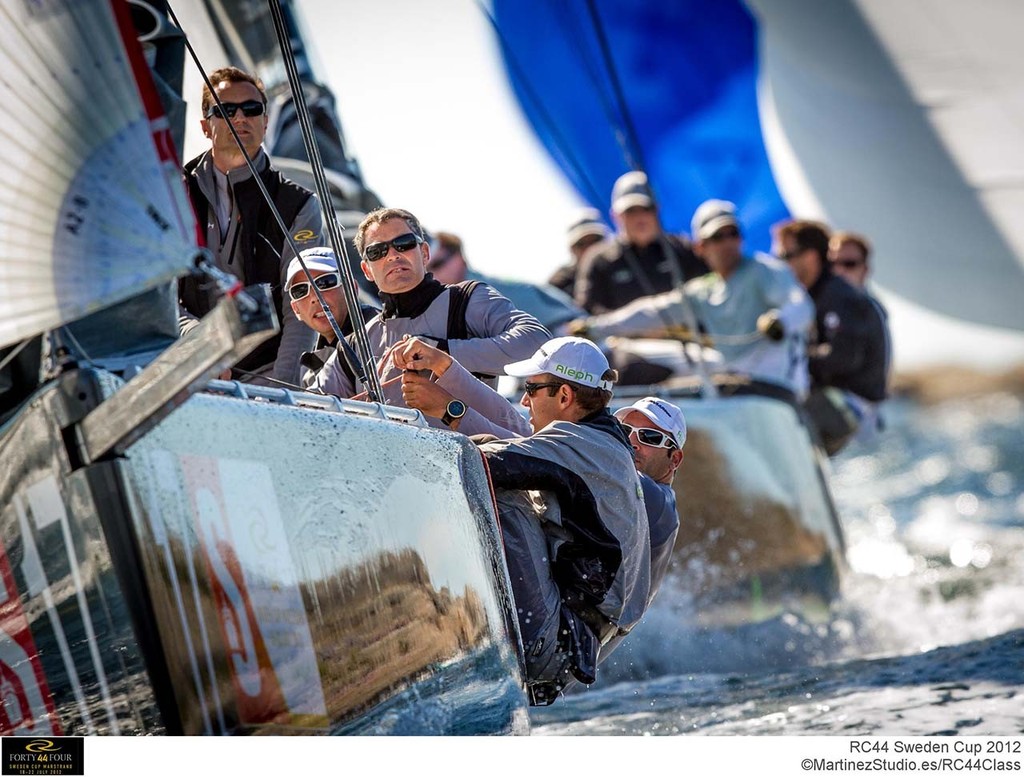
[251, 567]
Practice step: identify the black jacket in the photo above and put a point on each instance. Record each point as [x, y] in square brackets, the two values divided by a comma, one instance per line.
[849, 350]
[607, 278]
[258, 248]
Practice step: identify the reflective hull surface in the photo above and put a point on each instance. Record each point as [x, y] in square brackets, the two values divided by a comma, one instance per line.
[250, 567]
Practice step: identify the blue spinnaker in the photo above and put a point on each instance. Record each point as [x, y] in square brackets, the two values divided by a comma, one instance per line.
[688, 73]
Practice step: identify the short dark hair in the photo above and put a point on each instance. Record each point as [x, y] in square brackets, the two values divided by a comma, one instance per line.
[807, 234]
[843, 237]
[232, 75]
[379, 216]
[591, 399]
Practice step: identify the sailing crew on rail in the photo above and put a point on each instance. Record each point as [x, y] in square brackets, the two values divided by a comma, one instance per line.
[756, 314]
[585, 233]
[656, 429]
[580, 567]
[474, 323]
[848, 359]
[240, 227]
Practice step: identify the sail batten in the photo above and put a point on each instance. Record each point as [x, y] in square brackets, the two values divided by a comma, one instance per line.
[97, 212]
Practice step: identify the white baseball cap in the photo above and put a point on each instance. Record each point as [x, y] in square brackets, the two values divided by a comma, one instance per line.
[573, 358]
[662, 414]
[711, 216]
[320, 258]
[630, 191]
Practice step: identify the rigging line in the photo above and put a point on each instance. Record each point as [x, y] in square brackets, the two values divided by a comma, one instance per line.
[561, 143]
[351, 357]
[359, 335]
[577, 34]
[630, 139]
[286, 384]
[613, 75]
[11, 356]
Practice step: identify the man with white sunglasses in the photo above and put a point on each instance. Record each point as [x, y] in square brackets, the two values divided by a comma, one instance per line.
[322, 265]
[657, 432]
[239, 226]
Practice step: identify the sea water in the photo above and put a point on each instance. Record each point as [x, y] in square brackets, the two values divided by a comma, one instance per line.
[926, 638]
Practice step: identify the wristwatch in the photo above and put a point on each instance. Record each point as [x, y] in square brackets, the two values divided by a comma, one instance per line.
[453, 412]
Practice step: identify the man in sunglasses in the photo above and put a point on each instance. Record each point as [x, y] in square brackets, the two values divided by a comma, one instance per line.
[849, 256]
[475, 324]
[580, 568]
[641, 260]
[657, 432]
[753, 310]
[239, 225]
[849, 356]
[322, 265]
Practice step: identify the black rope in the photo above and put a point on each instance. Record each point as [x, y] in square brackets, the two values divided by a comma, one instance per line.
[635, 159]
[368, 377]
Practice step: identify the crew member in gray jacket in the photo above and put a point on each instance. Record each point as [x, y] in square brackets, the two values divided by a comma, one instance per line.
[580, 566]
[488, 334]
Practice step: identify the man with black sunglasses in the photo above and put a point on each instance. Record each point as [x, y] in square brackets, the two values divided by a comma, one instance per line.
[580, 567]
[238, 224]
[471, 321]
[849, 256]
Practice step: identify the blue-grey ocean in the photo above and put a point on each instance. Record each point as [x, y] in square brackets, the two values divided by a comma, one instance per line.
[926, 638]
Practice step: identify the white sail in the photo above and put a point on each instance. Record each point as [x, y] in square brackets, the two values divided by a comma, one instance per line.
[902, 120]
[95, 210]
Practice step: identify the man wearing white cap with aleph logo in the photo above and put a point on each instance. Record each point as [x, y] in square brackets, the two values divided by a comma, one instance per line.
[657, 432]
[580, 570]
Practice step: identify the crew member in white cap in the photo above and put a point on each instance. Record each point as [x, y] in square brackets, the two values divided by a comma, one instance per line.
[580, 570]
[641, 260]
[322, 265]
[754, 310]
[657, 432]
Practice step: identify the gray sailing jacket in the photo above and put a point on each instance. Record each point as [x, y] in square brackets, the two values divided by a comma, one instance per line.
[601, 550]
[499, 334]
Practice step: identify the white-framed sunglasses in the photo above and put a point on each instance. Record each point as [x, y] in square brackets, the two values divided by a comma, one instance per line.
[654, 438]
[325, 282]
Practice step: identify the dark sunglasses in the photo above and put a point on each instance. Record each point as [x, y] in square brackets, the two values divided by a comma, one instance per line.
[788, 256]
[249, 108]
[651, 437]
[724, 234]
[401, 244]
[533, 388]
[849, 264]
[301, 290]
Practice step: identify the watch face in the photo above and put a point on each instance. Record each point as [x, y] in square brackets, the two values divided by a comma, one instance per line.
[456, 409]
